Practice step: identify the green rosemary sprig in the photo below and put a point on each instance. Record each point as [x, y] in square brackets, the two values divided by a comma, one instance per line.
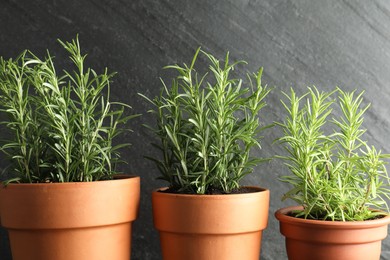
[207, 126]
[61, 127]
[335, 176]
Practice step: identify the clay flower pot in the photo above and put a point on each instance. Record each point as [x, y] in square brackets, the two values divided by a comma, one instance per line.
[336, 240]
[202, 227]
[70, 221]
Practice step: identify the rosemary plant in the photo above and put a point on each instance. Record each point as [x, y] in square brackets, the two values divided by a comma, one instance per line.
[335, 176]
[61, 128]
[207, 126]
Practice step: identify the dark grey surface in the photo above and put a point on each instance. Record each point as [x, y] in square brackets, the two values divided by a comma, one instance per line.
[298, 42]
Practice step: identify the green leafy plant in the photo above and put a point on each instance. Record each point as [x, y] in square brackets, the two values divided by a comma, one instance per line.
[207, 126]
[60, 128]
[335, 176]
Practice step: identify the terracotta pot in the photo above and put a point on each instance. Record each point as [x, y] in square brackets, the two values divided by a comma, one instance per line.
[70, 221]
[336, 240]
[202, 227]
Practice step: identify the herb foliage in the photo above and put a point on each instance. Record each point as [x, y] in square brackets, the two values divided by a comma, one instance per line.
[207, 125]
[335, 176]
[61, 127]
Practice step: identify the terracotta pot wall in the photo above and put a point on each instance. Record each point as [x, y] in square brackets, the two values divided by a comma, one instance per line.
[336, 240]
[202, 227]
[70, 221]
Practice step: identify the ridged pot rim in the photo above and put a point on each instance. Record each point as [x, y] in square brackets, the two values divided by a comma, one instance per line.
[71, 183]
[259, 191]
[210, 214]
[85, 204]
[281, 215]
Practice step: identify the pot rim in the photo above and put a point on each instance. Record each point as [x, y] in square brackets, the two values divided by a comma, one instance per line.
[281, 215]
[192, 213]
[71, 183]
[86, 204]
[260, 190]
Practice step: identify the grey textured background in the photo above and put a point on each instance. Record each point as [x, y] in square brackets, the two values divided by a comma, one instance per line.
[298, 42]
